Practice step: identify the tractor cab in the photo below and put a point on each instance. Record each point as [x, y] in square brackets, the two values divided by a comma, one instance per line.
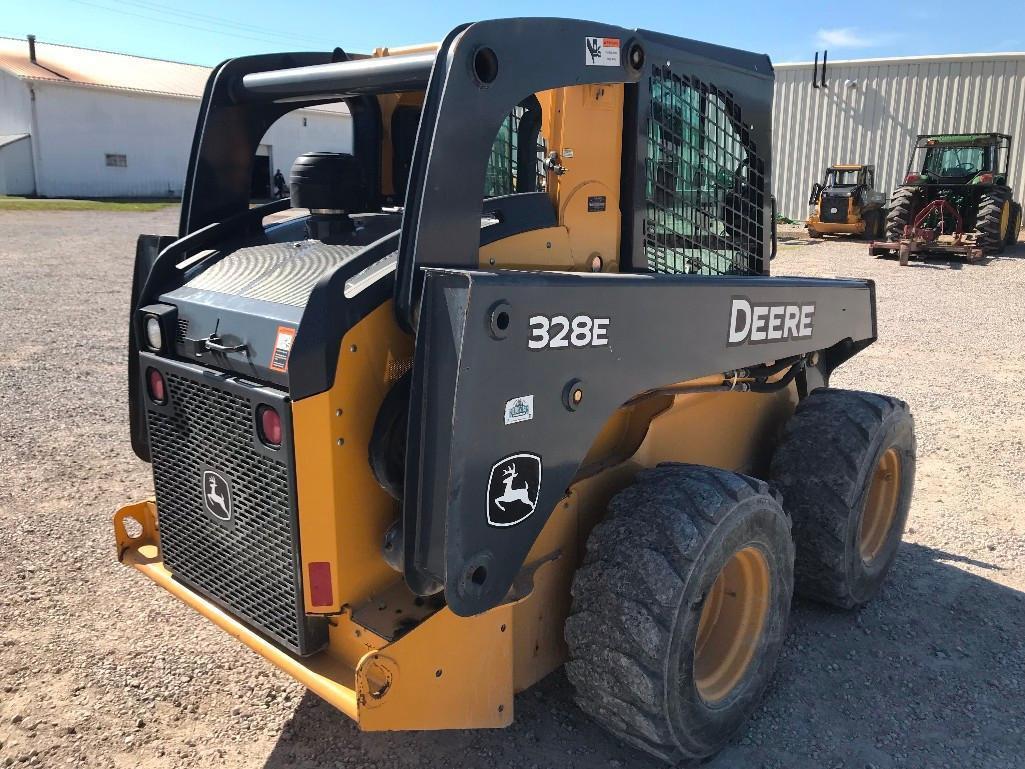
[955, 159]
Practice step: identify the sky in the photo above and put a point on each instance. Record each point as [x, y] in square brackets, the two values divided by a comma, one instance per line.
[207, 31]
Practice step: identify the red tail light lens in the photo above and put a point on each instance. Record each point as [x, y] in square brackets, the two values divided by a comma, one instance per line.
[912, 178]
[984, 179]
[269, 424]
[157, 388]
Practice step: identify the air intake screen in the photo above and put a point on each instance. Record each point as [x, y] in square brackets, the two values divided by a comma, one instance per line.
[705, 187]
[249, 564]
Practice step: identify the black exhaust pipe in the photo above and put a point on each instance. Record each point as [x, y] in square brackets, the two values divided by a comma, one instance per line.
[825, 55]
[32, 48]
[815, 72]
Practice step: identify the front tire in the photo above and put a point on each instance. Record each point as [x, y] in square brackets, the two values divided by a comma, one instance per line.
[846, 467]
[680, 609]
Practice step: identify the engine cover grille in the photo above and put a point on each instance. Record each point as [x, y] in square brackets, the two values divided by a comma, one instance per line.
[829, 202]
[239, 544]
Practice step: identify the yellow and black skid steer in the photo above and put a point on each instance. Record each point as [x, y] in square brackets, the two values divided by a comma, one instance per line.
[507, 386]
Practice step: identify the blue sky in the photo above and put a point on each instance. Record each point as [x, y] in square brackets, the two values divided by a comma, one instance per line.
[205, 32]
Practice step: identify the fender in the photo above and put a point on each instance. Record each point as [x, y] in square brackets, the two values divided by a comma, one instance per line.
[575, 347]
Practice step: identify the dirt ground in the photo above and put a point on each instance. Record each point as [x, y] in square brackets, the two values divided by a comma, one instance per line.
[100, 668]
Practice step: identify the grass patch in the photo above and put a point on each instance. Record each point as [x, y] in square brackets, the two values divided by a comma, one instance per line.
[68, 204]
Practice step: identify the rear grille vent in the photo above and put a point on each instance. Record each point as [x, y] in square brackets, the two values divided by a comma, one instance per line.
[183, 329]
[833, 209]
[250, 564]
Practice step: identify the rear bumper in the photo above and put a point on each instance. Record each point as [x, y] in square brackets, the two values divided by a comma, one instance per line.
[448, 673]
[835, 228]
[328, 679]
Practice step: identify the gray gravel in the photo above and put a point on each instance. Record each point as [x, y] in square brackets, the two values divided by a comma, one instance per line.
[100, 668]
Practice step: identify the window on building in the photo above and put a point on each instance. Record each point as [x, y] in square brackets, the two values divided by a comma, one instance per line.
[117, 161]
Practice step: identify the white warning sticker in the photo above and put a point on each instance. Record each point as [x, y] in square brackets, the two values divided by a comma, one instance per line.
[601, 51]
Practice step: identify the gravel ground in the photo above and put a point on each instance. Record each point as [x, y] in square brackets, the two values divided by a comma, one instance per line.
[100, 668]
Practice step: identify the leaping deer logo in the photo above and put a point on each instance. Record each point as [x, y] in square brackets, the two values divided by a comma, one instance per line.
[217, 495]
[216, 498]
[521, 494]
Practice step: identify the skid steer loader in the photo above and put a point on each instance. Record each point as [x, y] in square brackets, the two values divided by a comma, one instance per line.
[508, 387]
[846, 202]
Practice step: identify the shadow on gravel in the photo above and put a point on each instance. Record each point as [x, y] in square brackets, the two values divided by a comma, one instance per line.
[931, 674]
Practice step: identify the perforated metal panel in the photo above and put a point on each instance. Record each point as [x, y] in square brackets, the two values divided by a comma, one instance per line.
[705, 181]
[831, 204]
[278, 272]
[250, 563]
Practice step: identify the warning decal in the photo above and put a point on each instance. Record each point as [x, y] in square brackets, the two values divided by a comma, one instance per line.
[601, 51]
[282, 347]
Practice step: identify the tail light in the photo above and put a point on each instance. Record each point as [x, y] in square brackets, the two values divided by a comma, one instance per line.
[156, 385]
[984, 179]
[268, 423]
[912, 178]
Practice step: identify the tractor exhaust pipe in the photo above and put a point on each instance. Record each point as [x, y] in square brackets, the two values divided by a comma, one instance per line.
[815, 72]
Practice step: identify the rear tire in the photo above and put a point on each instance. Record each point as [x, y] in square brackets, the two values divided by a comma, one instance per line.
[873, 222]
[901, 212]
[680, 609]
[846, 467]
[1015, 228]
[993, 221]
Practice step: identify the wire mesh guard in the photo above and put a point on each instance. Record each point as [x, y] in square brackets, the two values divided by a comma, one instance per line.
[705, 188]
[502, 175]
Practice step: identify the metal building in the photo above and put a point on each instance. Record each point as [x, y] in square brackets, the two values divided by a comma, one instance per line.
[871, 110]
[81, 123]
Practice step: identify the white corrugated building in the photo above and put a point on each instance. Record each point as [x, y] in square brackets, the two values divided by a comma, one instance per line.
[81, 123]
[872, 110]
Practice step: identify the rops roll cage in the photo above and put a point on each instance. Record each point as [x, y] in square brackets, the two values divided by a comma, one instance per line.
[478, 73]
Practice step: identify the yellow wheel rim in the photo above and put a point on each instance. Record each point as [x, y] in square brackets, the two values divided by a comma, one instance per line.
[731, 625]
[881, 506]
[1005, 219]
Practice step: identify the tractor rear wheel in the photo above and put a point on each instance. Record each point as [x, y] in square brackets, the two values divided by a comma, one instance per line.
[993, 221]
[873, 219]
[846, 467]
[901, 212]
[1015, 228]
[680, 609]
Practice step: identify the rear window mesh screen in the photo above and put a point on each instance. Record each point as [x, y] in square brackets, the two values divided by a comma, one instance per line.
[705, 185]
[503, 173]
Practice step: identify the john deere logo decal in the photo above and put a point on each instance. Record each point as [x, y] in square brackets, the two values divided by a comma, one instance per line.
[513, 489]
[217, 500]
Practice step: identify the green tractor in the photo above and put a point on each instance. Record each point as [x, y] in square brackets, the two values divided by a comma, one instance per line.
[955, 198]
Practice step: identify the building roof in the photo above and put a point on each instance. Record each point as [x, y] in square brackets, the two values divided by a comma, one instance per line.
[104, 69]
[969, 57]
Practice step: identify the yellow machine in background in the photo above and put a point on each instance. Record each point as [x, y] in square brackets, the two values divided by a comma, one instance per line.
[847, 203]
